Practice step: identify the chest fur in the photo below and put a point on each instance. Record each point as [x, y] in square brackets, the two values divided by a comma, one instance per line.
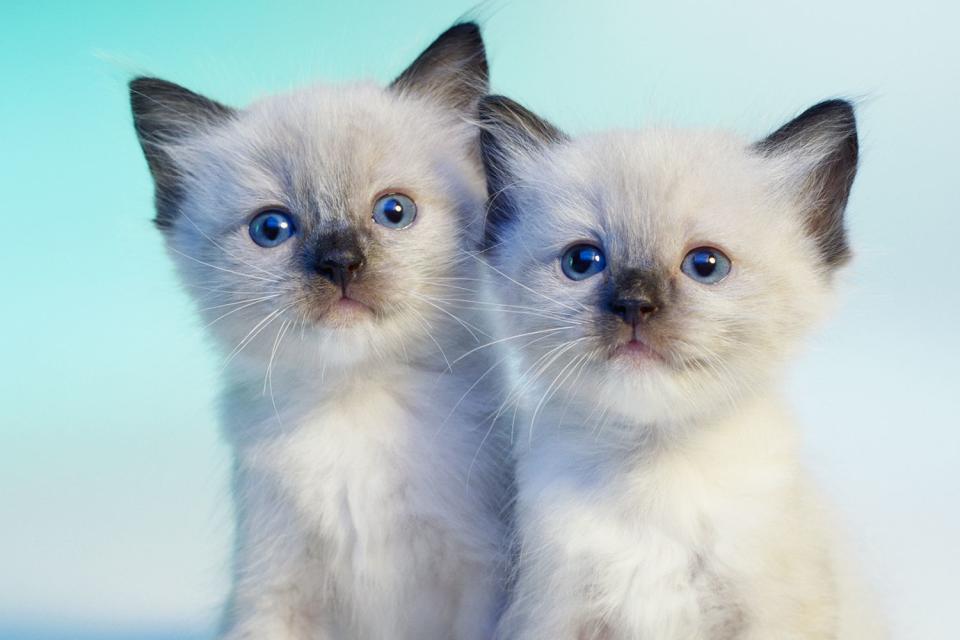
[662, 550]
[645, 574]
[356, 470]
[373, 495]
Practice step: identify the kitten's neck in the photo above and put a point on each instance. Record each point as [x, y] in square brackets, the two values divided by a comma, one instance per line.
[256, 406]
[753, 419]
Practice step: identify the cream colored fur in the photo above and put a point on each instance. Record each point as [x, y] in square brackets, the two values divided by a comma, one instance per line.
[366, 505]
[662, 498]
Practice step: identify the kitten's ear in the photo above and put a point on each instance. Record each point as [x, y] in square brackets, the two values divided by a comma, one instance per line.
[165, 114]
[508, 132]
[820, 150]
[452, 70]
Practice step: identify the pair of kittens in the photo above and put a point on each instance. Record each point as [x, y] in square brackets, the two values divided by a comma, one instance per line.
[485, 380]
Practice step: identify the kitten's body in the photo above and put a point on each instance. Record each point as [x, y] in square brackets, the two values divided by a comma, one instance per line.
[660, 493]
[366, 505]
[717, 539]
[356, 518]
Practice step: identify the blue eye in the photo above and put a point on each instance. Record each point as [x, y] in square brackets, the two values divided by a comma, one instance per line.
[395, 211]
[272, 228]
[706, 265]
[581, 261]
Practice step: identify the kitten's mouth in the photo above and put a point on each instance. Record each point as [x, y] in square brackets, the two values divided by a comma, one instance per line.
[344, 312]
[351, 305]
[636, 348]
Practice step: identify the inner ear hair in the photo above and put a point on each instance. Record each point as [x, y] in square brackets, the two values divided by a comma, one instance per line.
[452, 70]
[164, 114]
[506, 120]
[822, 144]
[507, 130]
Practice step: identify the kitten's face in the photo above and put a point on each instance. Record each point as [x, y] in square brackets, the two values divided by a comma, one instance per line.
[664, 273]
[329, 163]
[333, 215]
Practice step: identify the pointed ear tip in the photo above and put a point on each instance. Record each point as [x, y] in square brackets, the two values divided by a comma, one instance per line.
[468, 27]
[837, 110]
[468, 32]
[137, 86]
[468, 36]
[138, 90]
[463, 35]
[143, 84]
[841, 104]
[144, 89]
[455, 63]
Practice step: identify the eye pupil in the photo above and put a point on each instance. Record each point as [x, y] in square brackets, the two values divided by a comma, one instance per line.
[705, 263]
[393, 210]
[272, 227]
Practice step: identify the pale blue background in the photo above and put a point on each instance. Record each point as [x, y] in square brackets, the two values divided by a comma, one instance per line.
[114, 519]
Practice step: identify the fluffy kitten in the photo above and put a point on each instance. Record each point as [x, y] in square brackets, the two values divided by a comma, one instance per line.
[656, 282]
[317, 232]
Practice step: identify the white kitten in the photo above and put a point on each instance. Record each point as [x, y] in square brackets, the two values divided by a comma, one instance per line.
[317, 231]
[657, 281]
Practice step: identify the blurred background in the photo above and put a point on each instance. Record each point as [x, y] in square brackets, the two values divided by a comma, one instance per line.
[115, 519]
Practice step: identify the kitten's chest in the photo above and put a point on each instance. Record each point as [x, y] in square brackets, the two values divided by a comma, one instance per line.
[372, 492]
[350, 460]
[644, 553]
[663, 584]
[647, 577]
[365, 472]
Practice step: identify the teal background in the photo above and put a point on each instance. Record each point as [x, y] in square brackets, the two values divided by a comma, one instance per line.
[114, 511]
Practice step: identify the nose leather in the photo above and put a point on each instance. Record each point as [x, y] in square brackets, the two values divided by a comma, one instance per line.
[633, 310]
[338, 259]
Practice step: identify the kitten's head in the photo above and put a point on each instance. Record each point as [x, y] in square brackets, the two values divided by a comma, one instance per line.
[333, 214]
[661, 275]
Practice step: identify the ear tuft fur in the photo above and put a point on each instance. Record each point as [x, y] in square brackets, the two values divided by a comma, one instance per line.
[822, 148]
[165, 113]
[508, 130]
[452, 70]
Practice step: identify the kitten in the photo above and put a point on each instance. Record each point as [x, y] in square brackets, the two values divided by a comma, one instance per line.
[318, 231]
[657, 281]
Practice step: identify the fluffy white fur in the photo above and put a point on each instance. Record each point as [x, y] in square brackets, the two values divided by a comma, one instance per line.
[366, 505]
[661, 497]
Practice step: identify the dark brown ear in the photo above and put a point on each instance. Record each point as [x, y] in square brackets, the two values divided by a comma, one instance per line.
[508, 131]
[452, 71]
[165, 113]
[823, 141]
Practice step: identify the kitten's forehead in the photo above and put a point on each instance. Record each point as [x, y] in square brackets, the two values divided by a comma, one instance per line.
[331, 150]
[646, 195]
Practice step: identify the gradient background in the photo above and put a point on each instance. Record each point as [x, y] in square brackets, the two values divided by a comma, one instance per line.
[114, 512]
